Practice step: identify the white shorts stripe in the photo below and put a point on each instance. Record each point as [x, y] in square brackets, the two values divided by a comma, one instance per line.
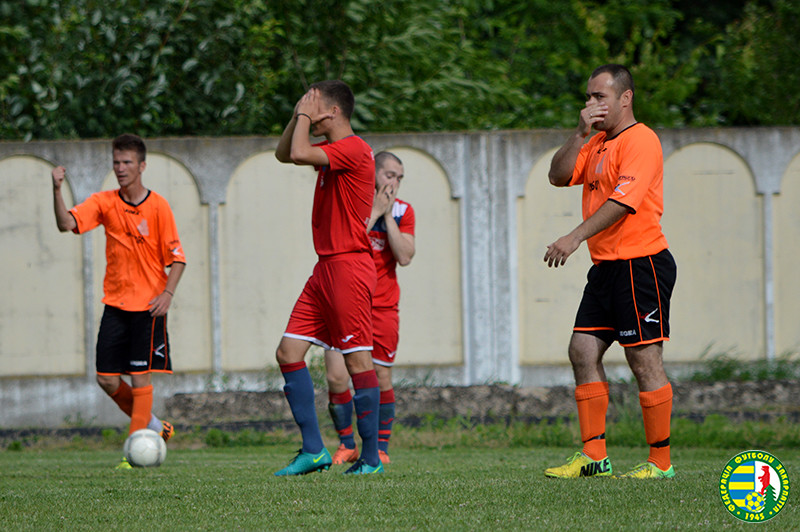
[308, 339]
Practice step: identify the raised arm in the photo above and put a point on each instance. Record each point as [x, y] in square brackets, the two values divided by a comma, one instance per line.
[564, 160]
[64, 220]
[401, 244]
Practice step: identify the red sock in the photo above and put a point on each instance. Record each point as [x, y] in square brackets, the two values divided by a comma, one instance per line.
[142, 407]
[592, 399]
[123, 397]
[656, 412]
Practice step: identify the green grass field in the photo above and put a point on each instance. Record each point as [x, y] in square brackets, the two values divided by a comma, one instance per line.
[452, 488]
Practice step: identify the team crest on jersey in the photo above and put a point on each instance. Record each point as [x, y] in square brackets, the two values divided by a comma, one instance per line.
[378, 244]
[754, 486]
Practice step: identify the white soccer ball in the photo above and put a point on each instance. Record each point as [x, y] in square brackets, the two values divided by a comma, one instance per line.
[145, 448]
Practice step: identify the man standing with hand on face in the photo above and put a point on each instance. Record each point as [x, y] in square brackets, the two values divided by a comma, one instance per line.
[391, 233]
[628, 289]
[334, 309]
[141, 242]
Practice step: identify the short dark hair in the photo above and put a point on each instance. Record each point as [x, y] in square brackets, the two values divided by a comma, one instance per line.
[382, 157]
[623, 79]
[339, 93]
[129, 142]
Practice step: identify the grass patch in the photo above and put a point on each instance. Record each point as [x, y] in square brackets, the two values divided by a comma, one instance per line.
[454, 488]
[729, 366]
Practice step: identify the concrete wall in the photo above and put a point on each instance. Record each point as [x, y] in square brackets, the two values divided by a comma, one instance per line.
[478, 303]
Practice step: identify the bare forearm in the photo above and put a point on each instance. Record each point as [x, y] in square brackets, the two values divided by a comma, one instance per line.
[284, 149]
[300, 151]
[174, 276]
[563, 163]
[401, 244]
[607, 215]
[64, 220]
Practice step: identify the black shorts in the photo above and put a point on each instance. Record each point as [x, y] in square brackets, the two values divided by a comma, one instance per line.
[628, 300]
[132, 343]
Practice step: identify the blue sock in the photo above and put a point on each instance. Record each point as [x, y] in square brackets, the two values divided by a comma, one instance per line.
[299, 392]
[385, 419]
[341, 410]
[367, 404]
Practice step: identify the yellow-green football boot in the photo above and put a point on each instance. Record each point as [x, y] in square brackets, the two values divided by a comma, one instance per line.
[580, 465]
[648, 470]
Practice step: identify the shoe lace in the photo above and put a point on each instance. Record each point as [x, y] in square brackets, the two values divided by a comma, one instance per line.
[574, 457]
[639, 468]
[356, 466]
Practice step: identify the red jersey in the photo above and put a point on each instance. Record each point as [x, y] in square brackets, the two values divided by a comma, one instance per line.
[141, 240]
[628, 169]
[387, 292]
[343, 198]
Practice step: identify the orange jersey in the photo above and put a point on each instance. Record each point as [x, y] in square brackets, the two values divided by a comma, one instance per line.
[628, 169]
[141, 241]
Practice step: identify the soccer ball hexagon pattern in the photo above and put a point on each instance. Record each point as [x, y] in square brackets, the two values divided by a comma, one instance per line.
[145, 448]
[754, 502]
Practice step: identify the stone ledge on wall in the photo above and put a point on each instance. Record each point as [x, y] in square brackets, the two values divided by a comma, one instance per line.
[739, 401]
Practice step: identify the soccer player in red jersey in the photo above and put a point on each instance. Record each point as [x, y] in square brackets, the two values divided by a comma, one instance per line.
[141, 242]
[391, 233]
[628, 288]
[333, 311]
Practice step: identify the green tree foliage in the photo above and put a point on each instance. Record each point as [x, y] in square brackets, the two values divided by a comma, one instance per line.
[86, 68]
[760, 78]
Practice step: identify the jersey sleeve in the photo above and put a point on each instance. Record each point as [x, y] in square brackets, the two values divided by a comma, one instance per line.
[172, 249]
[408, 221]
[88, 214]
[342, 156]
[640, 164]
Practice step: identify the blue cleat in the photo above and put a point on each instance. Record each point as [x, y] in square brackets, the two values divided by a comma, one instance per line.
[305, 463]
[362, 468]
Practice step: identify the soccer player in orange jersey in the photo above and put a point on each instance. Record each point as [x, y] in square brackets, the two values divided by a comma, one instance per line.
[391, 234]
[141, 242]
[628, 288]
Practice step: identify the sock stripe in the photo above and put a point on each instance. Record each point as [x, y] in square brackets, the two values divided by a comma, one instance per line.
[340, 398]
[598, 437]
[365, 379]
[660, 444]
[294, 366]
[387, 396]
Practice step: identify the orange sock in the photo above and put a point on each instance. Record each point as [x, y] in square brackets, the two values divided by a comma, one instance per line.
[123, 397]
[592, 399]
[656, 412]
[142, 407]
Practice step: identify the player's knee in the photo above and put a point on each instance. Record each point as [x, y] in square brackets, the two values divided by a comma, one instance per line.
[337, 382]
[108, 383]
[281, 356]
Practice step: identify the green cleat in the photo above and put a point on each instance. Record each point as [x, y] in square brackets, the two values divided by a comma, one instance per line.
[305, 463]
[580, 465]
[362, 468]
[648, 470]
[124, 464]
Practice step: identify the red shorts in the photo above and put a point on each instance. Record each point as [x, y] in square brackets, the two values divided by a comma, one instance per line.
[385, 334]
[334, 310]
